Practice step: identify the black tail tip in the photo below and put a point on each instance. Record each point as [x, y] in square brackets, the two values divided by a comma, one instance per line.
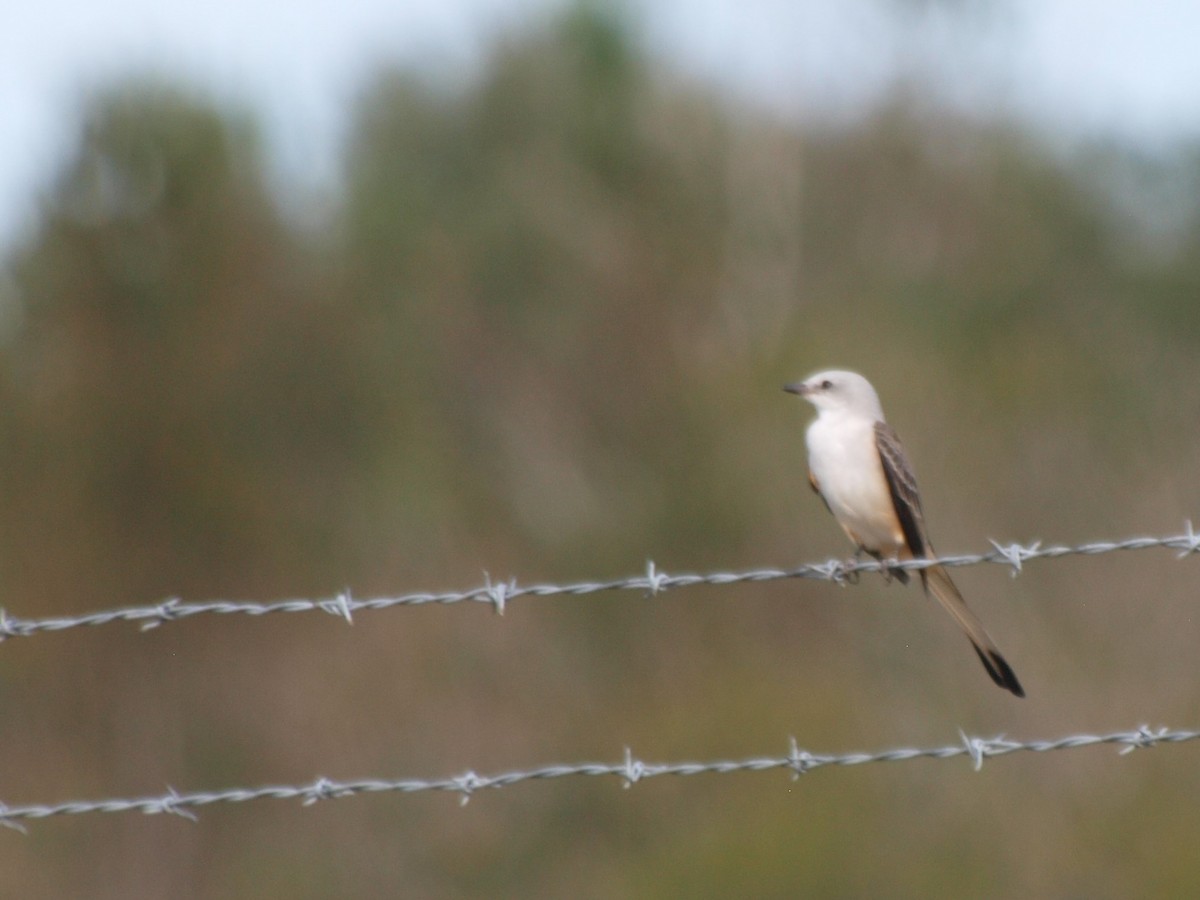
[1000, 671]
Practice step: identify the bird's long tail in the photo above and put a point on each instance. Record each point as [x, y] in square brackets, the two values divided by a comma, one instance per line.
[937, 582]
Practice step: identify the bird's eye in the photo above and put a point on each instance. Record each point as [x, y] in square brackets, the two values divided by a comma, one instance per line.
[826, 384]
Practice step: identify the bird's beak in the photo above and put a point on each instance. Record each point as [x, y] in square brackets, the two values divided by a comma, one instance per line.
[797, 387]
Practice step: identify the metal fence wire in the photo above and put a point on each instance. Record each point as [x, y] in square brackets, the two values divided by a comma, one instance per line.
[630, 770]
[498, 594]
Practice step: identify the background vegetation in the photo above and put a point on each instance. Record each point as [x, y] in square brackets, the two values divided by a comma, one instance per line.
[543, 335]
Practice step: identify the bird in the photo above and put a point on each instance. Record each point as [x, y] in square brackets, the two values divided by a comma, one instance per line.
[858, 467]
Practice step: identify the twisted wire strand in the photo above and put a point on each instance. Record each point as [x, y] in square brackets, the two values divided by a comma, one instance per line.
[629, 770]
[653, 581]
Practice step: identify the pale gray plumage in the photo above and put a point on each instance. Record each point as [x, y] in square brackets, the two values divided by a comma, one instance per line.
[858, 466]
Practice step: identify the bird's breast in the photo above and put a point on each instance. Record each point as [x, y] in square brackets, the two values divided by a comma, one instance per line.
[845, 461]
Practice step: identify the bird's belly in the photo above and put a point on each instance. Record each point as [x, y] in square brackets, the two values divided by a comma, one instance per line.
[852, 482]
[869, 521]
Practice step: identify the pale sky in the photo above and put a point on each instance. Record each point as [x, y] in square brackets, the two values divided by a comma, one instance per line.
[1072, 67]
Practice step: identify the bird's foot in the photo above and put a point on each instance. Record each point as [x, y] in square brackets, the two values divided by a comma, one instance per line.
[850, 571]
[891, 572]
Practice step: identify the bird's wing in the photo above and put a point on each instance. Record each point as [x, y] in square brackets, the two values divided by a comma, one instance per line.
[902, 485]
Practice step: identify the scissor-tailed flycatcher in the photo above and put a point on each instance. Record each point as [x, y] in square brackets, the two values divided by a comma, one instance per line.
[857, 465]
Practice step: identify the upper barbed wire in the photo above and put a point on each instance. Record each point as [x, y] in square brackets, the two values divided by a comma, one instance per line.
[498, 594]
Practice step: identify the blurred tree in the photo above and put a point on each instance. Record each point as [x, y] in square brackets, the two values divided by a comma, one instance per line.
[545, 336]
[179, 397]
[513, 252]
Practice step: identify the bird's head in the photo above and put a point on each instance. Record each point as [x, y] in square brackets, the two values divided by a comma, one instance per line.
[838, 391]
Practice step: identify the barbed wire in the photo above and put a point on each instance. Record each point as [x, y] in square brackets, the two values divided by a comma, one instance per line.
[653, 581]
[630, 770]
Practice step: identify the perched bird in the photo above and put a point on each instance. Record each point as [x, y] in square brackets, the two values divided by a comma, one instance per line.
[858, 467]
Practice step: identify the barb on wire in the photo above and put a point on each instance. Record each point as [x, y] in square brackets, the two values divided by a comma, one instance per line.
[499, 594]
[630, 770]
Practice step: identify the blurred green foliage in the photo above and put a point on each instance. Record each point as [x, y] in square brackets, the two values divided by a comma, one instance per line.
[544, 336]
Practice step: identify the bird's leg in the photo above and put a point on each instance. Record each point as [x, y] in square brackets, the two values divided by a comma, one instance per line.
[888, 572]
[851, 575]
[884, 571]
